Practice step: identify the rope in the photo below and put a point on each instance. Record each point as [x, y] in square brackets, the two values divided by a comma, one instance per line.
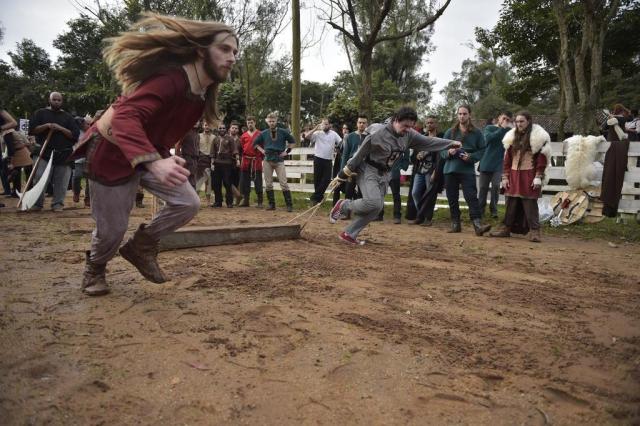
[312, 210]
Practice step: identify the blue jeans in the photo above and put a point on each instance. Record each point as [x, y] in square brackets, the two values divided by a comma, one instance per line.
[452, 182]
[421, 184]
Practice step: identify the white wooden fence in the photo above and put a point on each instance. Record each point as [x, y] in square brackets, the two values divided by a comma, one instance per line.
[300, 173]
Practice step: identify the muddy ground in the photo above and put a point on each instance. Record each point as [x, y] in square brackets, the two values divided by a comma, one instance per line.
[416, 327]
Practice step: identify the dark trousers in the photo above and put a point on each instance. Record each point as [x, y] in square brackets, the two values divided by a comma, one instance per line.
[487, 178]
[394, 184]
[4, 176]
[453, 181]
[246, 177]
[321, 177]
[222, 175]
[350, 189]
[521, 214]
[427, 204]
[16, 177]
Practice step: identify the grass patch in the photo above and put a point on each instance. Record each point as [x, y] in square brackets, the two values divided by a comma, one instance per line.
[608, 229]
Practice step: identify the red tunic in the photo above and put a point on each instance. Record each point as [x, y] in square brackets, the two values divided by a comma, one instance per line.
[145, 125]
[521, 175]
[251, 157]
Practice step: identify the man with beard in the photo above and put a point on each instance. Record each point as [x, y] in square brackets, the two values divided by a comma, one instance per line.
[490, 166]
[275, 144]
[371, 167]
[234, 132]
[325, 141]
[459, 170]
[188, 148]
[251, 164]
[65, 134]
[351, 145]
[169, 70]
[427, 177]
[224, 155]
[204, 161]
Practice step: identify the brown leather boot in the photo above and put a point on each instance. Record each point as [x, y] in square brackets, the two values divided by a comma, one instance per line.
[93, 281]
[503, 232]
[534, 235]
[142, 252]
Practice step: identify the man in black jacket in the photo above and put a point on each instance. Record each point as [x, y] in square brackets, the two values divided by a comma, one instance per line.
[65, 133]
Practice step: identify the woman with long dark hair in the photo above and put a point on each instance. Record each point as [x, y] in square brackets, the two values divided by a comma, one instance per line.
[527, 155]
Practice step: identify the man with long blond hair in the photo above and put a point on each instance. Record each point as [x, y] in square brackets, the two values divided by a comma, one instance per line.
[169, 70]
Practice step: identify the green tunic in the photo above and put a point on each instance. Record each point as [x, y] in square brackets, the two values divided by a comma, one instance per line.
[274, 147]
[473, 143]
[491, 161]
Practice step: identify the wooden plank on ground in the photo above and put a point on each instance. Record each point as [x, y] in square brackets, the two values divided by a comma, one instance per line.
[202, 236]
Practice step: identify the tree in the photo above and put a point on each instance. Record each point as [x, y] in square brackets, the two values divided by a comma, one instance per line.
[295, 77]
[366, 24]
[584, 54]
[481, 83]
[32, 61]
[545, 40]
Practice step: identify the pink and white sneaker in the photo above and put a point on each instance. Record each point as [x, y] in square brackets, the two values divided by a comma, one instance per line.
[349, 239]
[335, 214]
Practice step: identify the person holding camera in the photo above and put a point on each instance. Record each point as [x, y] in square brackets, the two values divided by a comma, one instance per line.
[459, 170]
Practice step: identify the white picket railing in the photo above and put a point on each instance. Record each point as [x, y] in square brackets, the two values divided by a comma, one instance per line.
[300, 173]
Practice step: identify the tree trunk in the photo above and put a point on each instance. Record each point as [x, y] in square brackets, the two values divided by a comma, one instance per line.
[366, 92]
[566, 83]
[562, 112]
[295, 72]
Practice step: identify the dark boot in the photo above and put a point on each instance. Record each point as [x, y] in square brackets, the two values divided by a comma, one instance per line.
[271, 198]
[480, 228]
[139, 198]
[504, 232]
[259, 200]
[142, 252]
[93, 280]
[287, 200]
[455, 227]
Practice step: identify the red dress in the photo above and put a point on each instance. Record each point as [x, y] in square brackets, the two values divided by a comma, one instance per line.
[145, 125]
[251, 157]
[521, 172]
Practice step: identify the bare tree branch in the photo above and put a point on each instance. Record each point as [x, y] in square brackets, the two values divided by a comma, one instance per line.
[417, 28]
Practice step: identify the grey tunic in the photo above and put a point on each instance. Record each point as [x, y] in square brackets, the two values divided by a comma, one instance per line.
[384, 147]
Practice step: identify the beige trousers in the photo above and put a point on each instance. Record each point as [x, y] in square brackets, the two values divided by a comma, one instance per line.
[268, 167]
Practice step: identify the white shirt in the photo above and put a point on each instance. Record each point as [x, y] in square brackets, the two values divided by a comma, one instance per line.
[325, 143]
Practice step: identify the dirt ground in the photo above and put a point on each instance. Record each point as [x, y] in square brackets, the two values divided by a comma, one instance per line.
[416, 327]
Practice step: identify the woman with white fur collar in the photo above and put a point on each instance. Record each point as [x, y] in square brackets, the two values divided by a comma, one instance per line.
[527, 157]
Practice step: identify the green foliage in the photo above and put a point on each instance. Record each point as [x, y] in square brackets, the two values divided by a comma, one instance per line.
[32, 61]
[482, 83]
[231, 102]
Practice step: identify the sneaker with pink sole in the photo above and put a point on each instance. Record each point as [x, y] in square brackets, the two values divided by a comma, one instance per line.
[349, 239]
[335, 214]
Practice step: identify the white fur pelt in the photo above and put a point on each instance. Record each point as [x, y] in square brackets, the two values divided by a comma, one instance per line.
[581, 153]
[539, 140]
